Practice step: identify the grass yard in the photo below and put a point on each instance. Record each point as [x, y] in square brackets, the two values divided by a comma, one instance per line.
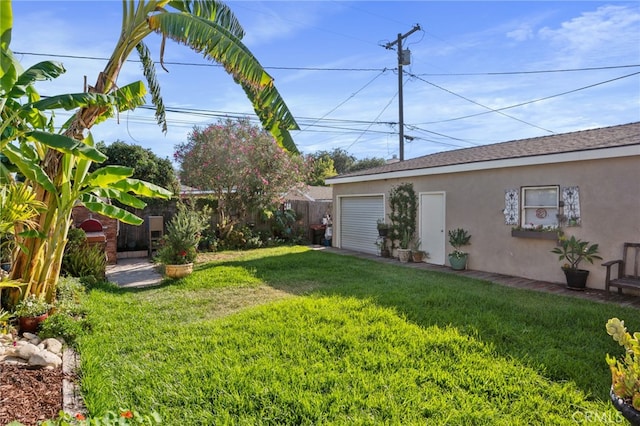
[296, 336]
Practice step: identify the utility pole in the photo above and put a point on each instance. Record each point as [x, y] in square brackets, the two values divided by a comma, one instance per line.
[400, 100]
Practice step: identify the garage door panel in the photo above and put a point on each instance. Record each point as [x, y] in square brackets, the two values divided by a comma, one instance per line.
[358, 222]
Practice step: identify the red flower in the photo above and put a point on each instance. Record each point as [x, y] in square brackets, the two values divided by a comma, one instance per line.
[183, 253]
[127, 414]
[80, 416]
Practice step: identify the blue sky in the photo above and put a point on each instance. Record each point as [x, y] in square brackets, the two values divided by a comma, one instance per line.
[472, 63]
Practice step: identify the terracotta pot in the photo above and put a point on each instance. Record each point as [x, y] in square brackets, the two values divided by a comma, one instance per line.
[417, 256]
[31, 324]
[178, 271]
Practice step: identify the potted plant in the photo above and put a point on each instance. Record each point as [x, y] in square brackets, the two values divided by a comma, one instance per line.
[625, 372]
[178, 247]
[458, 238]
[383, 228]
[574, 251]
[417, 255]
[31, 312]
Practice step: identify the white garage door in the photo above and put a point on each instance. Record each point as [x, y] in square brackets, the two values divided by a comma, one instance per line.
[358, 222]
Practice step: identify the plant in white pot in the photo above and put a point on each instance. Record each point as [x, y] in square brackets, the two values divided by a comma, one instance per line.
[574, 251]
[458, 238]
[404, 252]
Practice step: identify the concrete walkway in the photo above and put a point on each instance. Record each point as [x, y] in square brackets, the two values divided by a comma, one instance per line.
[134, 272]
[140, 272]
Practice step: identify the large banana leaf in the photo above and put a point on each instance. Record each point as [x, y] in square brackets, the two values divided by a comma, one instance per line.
[30, 169]
[120, 196]
[144, 189]
[67, 145]
[74, 100]
[46, 70]
[211, 10]
[107, 175]
[96, 205]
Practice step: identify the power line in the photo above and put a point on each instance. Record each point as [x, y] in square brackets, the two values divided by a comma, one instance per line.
[481, 105]
[534, 100]
[192, 64]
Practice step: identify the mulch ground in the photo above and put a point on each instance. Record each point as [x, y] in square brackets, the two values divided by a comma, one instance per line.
[28, 395]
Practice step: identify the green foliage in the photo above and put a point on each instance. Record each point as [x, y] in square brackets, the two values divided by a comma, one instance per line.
[320, 167]
[32, 306]
[180, 242]
[146, 165]
[5, 318]
[110, 418]
[458, 238]
[82, 260]
[367, 163]
[341, 162]
[403, 203]
[61, 325]
[625, 371]
[574, 251]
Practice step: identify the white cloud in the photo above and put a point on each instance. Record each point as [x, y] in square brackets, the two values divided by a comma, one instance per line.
[595, 35]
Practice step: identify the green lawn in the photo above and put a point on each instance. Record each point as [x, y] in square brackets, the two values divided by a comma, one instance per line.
[295, 336]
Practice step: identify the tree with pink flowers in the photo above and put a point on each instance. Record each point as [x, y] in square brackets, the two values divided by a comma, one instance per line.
[242, 165]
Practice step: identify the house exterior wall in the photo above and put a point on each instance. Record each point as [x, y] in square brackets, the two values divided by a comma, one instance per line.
[609, 203]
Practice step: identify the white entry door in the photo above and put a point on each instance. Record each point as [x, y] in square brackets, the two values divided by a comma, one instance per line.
[432, 226]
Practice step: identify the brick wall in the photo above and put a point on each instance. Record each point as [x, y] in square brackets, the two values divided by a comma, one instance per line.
[109, 226]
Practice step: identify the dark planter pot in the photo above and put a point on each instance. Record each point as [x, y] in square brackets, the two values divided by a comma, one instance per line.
[458, 263]
[627, 410]
[383, 232]
[576, 278]
[6, 267]
[31, 324]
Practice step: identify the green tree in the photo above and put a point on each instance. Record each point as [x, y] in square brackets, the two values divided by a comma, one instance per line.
[320, 168]
[368, 163]
[145, 163]
[242, 165]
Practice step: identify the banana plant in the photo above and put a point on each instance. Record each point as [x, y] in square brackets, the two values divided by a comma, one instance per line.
[27, 140]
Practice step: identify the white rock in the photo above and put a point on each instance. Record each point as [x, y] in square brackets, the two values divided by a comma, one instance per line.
[25, 351]
[36, 341]
[45, 359]
[53, 345]
[29, 336]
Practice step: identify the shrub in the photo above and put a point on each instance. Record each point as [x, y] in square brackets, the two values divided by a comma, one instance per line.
[61, 324]
[85, 261]
[179, 244]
